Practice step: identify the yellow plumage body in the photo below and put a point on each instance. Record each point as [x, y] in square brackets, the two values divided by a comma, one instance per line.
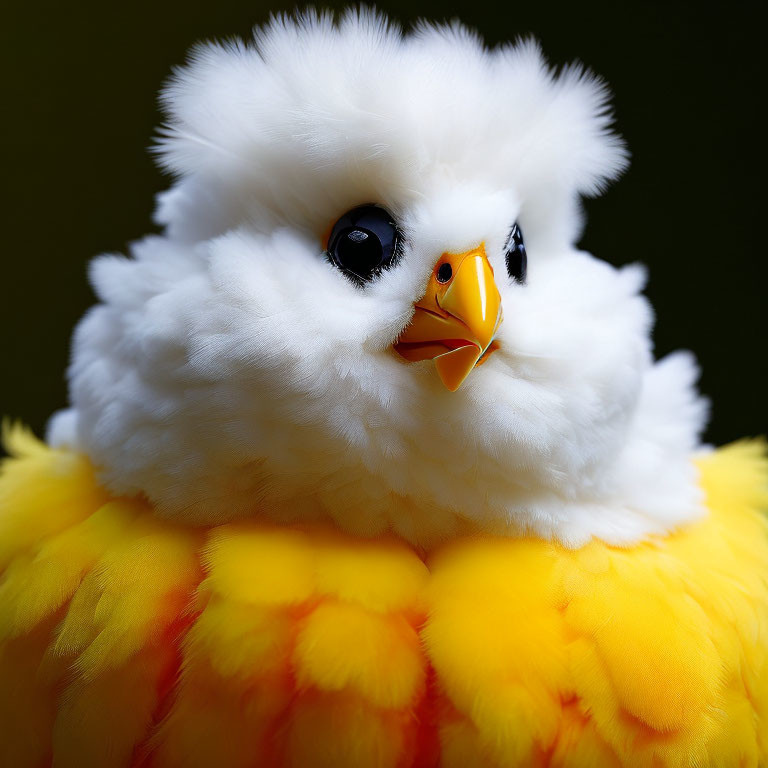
[126, 640]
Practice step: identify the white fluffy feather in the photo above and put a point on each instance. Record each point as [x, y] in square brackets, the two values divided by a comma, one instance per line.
[231, 370]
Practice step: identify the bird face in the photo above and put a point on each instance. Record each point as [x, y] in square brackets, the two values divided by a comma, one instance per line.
[455, 322]
[366, 305]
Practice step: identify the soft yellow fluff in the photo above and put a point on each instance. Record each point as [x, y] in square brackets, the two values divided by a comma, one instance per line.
[128, 641]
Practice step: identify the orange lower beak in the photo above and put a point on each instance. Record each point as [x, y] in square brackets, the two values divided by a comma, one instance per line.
[455, 322]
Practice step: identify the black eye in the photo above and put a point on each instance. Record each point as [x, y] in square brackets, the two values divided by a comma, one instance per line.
[517, 261]
[363, 241]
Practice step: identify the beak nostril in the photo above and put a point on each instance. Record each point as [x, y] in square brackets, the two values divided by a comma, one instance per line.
[444, 273]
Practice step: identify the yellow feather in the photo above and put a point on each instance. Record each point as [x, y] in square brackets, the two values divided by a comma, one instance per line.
[579, 745]
[462, 745]
[381, 662]
[27, 702]
[241, 641]
[339, 731]
[134, 592]
[253, 564]
[42, 492]
[101, 721]
[40, 581]
[19, 441]
[234, 685]
[379, 575]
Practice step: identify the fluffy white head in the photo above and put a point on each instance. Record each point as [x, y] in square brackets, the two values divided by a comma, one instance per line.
[232, 370]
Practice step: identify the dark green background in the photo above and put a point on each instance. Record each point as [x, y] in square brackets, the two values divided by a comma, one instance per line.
[79, 94]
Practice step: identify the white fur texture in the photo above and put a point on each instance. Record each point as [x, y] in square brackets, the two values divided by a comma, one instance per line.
[231, 370]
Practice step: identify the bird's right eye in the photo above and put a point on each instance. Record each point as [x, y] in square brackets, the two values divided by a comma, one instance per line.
[363, 242]
[515, 256]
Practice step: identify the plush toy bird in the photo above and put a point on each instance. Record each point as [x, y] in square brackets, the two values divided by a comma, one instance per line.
[367, 465]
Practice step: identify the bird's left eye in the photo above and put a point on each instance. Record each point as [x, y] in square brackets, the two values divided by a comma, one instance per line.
[363, 242]
[516, 257]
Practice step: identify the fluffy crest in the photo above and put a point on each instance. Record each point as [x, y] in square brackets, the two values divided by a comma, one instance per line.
[337, 97]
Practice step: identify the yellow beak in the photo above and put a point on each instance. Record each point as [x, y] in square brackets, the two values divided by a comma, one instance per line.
[456, 320]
